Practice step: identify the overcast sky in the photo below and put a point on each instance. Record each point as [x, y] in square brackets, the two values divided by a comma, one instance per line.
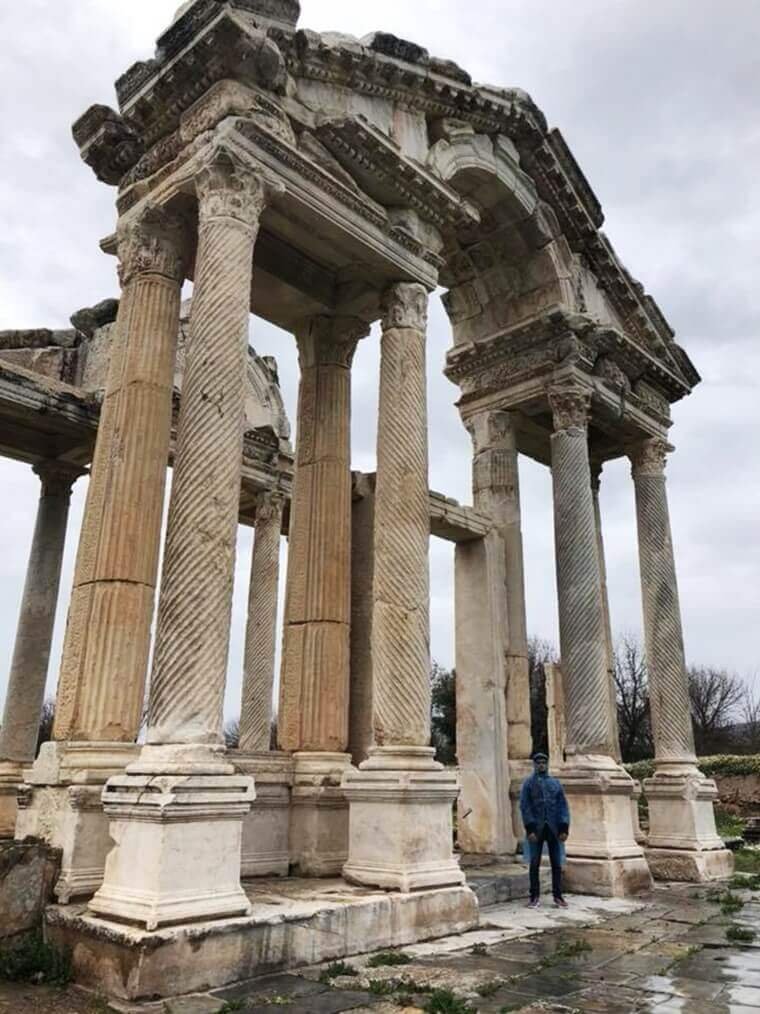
[659, 105]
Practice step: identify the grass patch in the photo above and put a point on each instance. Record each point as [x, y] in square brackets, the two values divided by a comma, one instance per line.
[33, 960]
[747, 861]
[740, 934]
[745, 881]
[564, 952]
[443, 1001]
[335, 969]
[479, 949]
[383, 987]
[729, 825]
[718, 764]
[730, 903]
[233, 1005]
[383, 958]
[487, 989]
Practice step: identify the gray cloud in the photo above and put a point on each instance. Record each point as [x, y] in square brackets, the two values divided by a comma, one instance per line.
[658, 103]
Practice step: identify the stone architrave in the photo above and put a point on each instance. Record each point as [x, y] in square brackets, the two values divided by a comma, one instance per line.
[400, 827]
[683, 840]
[496, 492]
[603, 855]
[314, 686]
[596, 476]
[265, 850]
[182, 796]
[34, 633]
[105, 652]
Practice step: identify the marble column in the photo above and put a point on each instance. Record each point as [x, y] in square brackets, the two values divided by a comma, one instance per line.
[265, 850]
[34, 633]
[314, 685]
[400, 832]
[683, 841]
[182, 797]
[492, 681]
[101, 685]
[603, 855]
[596, 477]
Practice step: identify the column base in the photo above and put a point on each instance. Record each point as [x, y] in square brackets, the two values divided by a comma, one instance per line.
[603, 856]
[265, 850]
[11, 777]
[59, 803]
[318, 814]
[681, 814]
[689, 866]
[176, 820]
[400, 831]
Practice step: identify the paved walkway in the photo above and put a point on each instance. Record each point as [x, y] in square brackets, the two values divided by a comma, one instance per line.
[669, 952]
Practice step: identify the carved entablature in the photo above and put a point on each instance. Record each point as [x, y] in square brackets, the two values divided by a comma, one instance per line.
[108, 143]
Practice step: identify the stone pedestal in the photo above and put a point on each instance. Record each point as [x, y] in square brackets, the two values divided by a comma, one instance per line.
[265, 843]
[638, 834]
[400, 820]
[175, 832]
[603, 856]
[683, 841]
[318, 814]
[60, 803]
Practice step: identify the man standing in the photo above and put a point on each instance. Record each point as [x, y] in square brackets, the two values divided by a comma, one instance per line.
[546, 817]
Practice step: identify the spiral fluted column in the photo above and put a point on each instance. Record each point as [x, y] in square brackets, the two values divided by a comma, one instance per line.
[596, 476]
[105, 653]
[663, 636]
[192, 636]
[258, 663]
[583, 639]
[313, 714]
[401, 593]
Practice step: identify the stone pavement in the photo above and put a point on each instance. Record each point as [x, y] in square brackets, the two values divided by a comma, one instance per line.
[668, 952]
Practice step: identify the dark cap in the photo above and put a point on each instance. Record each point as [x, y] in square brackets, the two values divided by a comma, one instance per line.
[539, 757]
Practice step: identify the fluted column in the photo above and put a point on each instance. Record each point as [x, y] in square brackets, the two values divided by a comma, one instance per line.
[258, 663]
[105, 653]
[496, 492]
[663, 636]
[34, 633]
[313, 714]
[596, 475]
[401, 592]
[683, 840]
[400, 798]
[192, 636]
[582, 632]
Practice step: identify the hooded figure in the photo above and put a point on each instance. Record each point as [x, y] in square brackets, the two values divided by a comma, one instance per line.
[546, 817]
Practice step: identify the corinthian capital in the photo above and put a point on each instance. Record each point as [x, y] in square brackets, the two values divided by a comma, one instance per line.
[154, 242]
[228, 189]
[324, 340]
[490, 429]
[405, 304]
[57, 477]
[570, 405]
[269, 505]
[649, 457]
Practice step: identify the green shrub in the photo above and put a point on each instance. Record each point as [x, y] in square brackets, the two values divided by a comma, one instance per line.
[740, 934]
[383, 987]
[335, 969]
[388, 958]
[719, 764]
[443, 1001]
[747, 861]
[33, 960]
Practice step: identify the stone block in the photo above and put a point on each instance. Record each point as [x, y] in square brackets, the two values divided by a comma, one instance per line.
[318, 814]
[689, 865]
[28, 871]
[265, 843]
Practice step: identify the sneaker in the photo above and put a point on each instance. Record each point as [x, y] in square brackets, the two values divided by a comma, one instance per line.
[534, 903]
[560, 903]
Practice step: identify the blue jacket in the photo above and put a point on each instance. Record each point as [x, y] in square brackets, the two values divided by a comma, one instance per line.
[542, 801]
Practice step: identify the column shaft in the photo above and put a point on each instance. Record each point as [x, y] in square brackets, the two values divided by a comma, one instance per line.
[401, 607]
[192, 636]
[583, 643]
[34, 633]
[258, 664]
[595, 484]
[313, 713]
[105, 654]
[666, 665]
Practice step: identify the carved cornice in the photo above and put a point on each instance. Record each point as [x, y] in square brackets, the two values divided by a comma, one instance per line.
[155, 242]
[108, 143]
[649, 457]
[405, 304]
[570, 405]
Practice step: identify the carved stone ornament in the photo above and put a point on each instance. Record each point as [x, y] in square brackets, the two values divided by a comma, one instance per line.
[405, 304]
[269, 505]
[649, 457]
[490, 429]
[57, 477]
[324, 340]
[570, 405]
[108, 143]
[228, 189]
[155, 241]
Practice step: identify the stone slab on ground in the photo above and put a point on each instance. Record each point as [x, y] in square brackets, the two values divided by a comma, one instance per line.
[28, 871]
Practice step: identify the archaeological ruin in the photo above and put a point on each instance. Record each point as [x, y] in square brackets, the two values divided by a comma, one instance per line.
[324, 183]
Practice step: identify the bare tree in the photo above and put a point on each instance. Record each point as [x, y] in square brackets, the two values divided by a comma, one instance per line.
[232, 733]
[634, 722]
[540, 651]
[751, 718]
[717, 697]
[47, 718]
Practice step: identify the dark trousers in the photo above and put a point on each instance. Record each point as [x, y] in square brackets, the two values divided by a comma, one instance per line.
[546, 835]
